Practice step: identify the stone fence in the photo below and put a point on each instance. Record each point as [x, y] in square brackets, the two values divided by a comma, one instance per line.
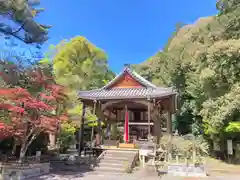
[18, 171]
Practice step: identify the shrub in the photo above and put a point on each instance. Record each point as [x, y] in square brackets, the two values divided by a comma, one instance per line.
[183, 145]
[66, 136]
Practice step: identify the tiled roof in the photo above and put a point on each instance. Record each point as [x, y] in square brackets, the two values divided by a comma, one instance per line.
[148, 90]
[125, 93]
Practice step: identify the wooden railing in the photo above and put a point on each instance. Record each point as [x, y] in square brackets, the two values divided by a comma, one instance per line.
[99, 158]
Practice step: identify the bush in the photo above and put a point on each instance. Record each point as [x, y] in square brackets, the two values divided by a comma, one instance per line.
[183, 145]
[66, 136]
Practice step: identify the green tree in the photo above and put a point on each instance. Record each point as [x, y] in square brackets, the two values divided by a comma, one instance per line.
[202, 62]
[66, 136]
[225, 6]
[79, 65]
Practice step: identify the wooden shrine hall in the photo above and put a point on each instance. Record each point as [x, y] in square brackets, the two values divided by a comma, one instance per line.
[129, 97]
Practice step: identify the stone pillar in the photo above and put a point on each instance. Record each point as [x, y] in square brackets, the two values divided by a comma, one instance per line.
[52, 140]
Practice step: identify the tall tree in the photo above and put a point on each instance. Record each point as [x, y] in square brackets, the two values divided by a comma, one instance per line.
[37, 108]
[79, 65]
[202, 62]
[18, 21]
[225, 6]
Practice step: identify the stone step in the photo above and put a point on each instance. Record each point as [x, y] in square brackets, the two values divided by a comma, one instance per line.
[117, 157]
[114, 161]
[110, 169]
[121, 154]
[107, 164]
[120, 151]
[107, 174]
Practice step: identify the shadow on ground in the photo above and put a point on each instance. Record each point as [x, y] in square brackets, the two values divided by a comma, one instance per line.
[61, 170]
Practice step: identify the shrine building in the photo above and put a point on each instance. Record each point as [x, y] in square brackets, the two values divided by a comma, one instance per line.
[143, 101]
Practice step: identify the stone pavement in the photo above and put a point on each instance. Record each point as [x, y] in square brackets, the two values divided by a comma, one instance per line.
[138, 175]
[93, 176]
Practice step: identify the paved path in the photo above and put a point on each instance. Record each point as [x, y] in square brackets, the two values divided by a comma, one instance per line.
[138, 175]
[93, 176]
[127, 177]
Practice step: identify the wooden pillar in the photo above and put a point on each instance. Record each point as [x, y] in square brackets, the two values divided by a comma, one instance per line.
[149, 118]
[157, 126]
[169, 131]
[99, 123]
[109, 127]
[160, 117]
[81, 130]
[94, 112]
[98, 135]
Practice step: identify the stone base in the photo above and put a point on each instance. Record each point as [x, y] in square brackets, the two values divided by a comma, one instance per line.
[22, 172]
[186, 170]
[125, 145]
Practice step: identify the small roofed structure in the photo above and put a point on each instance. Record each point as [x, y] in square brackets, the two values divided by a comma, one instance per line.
[143, 101]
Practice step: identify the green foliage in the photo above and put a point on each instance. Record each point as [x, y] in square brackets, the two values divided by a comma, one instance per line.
[66, 136]
[222, 112]
[115, 133]
[202, 61]
[183, 145]
[233, 127]
[79, 65]
[225, 6]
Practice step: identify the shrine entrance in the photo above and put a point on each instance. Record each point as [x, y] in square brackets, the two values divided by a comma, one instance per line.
[139, 132]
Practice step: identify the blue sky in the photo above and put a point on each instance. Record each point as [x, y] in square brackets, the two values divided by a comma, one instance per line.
[129, 31]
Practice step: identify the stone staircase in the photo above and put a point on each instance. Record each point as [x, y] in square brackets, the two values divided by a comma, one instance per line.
[116, 161]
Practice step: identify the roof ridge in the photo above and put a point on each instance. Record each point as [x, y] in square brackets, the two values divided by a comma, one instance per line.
[134, 74]
[141, 78]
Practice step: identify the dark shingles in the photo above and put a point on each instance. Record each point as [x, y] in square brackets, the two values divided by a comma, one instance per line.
[125, 93]
[148, 90]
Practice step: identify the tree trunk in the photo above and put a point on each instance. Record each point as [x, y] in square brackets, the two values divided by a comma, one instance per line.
[22, 153]
[26, 143]
[14, 147]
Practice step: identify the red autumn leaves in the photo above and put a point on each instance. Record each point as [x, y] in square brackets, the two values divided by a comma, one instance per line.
[38, 110]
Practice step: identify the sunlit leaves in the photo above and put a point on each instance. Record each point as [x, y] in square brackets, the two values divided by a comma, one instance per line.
[202, 61]
[233, 127]
[80, 65]
[226, 6]
[76, 61]
[222, 112]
